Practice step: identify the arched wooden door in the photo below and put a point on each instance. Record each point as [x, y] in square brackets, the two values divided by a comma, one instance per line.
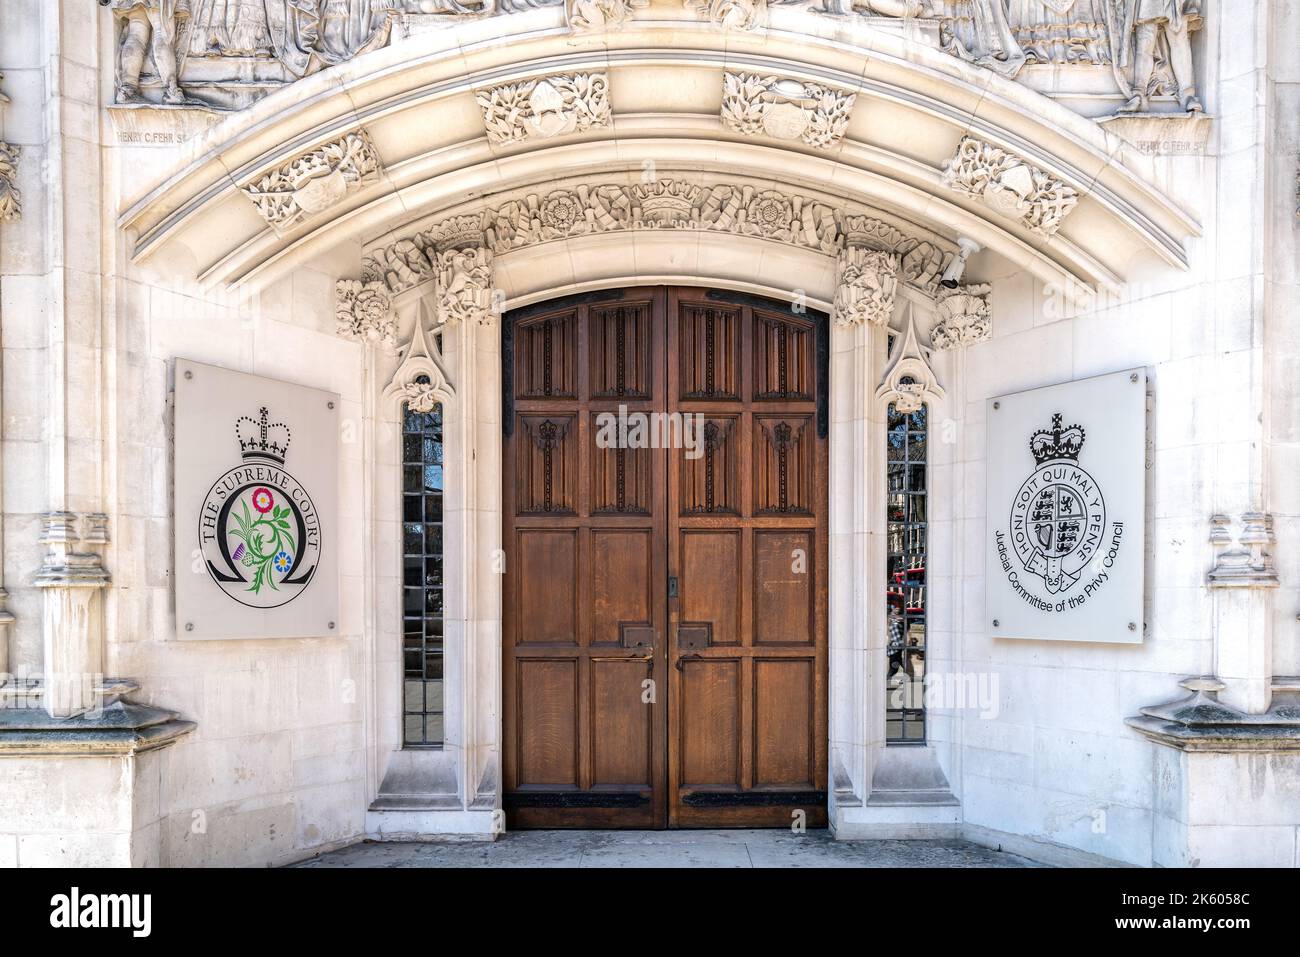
[664, 641]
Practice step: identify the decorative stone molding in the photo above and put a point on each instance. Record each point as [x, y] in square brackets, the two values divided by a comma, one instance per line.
[314, 181]
[661, 204]
[1011, 186]
[1245, 563]
[866, 283]
[784, 108]
[730, 14]
[585, 16]
[1201, 722]
[545, 106]
[419, 381]
[11, 206]
[964, 315]
[364, 311]
[909, 381]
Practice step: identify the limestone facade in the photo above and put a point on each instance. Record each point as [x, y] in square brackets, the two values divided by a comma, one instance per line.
[350, 202]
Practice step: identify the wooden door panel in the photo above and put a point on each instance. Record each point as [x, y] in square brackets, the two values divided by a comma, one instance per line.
[710, 719]
[664, 623]
[585, 598]
[747, 526]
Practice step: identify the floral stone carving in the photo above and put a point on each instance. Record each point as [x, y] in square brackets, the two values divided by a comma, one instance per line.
[316, 180]
[1010, 185]
[545, 107]
[785, 108]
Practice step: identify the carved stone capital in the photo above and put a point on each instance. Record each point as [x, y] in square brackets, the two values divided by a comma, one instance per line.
[465, 285]
[784, 108]
[866, 284]
[364, 311]
[963, 316]
[545, 106]
[1010, 185]
[314, 181]
[1245, 563]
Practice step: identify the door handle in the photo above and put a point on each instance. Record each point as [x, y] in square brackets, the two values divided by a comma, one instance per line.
[685, 657]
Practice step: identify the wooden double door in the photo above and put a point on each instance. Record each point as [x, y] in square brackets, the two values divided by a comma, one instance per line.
[664, 639]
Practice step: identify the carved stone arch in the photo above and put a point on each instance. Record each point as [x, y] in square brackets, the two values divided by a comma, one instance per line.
[420, 380]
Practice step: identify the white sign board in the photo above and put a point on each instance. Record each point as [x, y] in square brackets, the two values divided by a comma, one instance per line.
[256, 493]
[1066, 486]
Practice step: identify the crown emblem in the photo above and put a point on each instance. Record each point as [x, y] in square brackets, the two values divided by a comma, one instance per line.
[1057, 442]
[260, 439]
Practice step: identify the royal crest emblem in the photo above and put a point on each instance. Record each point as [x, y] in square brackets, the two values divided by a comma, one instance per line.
[259, 532]
[1059, 514]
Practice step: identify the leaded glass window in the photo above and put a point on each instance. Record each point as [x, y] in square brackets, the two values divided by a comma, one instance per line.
[905, 591]
[422, 579]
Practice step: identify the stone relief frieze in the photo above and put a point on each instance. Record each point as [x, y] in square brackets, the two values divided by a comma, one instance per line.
[11, 206]
[785, 108]
[586, 16]
[1011, 186]
[962, 316]
[545, 106]
[316, 180]
[226, 54]
[589, 209]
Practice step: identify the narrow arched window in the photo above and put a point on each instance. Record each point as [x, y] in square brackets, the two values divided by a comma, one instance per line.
[422, 574]
[905, 591]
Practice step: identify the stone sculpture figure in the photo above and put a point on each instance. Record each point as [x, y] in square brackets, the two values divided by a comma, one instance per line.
[1061, 31]
[980, 31]
[302, 34]
[149, 26]
[1149, 22]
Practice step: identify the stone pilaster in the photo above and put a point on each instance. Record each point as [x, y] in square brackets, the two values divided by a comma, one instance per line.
[72, 579]
[1243, 582]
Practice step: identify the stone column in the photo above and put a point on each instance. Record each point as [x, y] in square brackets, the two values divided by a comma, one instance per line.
[1243, 582]
[466, 298]
[866, 284]
[72, 575]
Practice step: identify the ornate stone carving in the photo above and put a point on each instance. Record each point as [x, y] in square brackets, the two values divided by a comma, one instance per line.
[419, 381]
[964, 316]
[465, 285]
[661, 204]
[1245, 563]
[1010, 185]
[11, 206]
[584, 16]
[730, 14]
[784, 108]
[866, 284]
[316, 180]
[153, 28]
[545, 107]
[364, 311]
[909, 381]
[1161, 52]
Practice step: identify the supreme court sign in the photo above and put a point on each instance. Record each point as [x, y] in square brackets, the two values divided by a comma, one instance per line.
[1066, 498]
[256, 493]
